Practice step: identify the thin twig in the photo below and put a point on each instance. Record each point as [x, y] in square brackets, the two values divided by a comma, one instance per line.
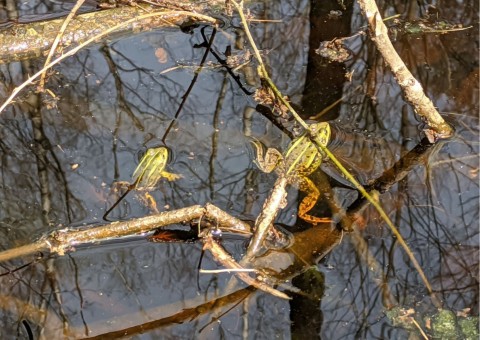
[262, 70]
[227, 270]
[57, 40]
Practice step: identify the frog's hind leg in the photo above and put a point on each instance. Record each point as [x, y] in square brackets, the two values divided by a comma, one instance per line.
[309, 202]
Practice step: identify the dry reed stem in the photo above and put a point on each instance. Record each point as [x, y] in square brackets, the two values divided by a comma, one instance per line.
[57, 40]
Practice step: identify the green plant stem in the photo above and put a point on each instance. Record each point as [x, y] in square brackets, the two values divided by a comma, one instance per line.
[263, 71]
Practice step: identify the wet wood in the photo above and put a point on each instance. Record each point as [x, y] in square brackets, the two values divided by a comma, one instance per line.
[274, 203]
[32, 40]
[64, 240]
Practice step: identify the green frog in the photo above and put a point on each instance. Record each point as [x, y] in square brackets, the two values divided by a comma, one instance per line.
[152, 168]
[300, 160]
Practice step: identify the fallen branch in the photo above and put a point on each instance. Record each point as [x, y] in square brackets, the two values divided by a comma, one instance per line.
[412, 89]
[33, 40]
[65, 240]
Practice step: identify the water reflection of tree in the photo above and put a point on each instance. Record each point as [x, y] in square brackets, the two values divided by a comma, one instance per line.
[133, 276]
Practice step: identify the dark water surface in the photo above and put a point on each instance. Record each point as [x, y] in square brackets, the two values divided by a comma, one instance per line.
[60, 165]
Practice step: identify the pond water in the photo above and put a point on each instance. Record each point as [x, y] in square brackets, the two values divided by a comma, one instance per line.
[62, 164]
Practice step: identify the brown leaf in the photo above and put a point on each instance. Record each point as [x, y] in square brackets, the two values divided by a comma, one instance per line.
[162, 55]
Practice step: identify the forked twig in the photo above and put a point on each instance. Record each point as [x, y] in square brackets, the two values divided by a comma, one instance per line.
[65, 240]
[227, 261]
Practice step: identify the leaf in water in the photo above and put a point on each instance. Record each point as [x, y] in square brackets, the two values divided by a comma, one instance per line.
[180, 236]
[162, 55]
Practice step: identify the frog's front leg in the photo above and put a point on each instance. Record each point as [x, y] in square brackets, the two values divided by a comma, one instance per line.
[266, 160]
[307, 186]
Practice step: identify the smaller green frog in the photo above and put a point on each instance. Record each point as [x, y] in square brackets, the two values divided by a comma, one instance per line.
[300, 160]
[145, 177]
[152, 168]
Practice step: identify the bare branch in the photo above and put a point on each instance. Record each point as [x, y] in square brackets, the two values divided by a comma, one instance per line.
[412, 89]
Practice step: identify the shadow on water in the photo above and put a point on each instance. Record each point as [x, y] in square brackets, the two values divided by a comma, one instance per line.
[64, 161]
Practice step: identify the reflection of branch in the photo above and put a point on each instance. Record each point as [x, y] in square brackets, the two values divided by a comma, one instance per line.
[382, 184]
[192, 83]
[374, 268]
[187, 314]
[412, 89]
[396, 173]
[41, 145]
[122, 102]
[216, 129]
[223, 62]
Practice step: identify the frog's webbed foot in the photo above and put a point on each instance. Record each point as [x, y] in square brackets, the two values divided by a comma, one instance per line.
[170, 176]
[309, 202]
[265, 160]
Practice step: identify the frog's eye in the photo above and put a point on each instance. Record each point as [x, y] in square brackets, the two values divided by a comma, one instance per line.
[152, 151]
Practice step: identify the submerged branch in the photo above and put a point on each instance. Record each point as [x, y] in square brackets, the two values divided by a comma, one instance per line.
[185, 315]
[31, 40]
